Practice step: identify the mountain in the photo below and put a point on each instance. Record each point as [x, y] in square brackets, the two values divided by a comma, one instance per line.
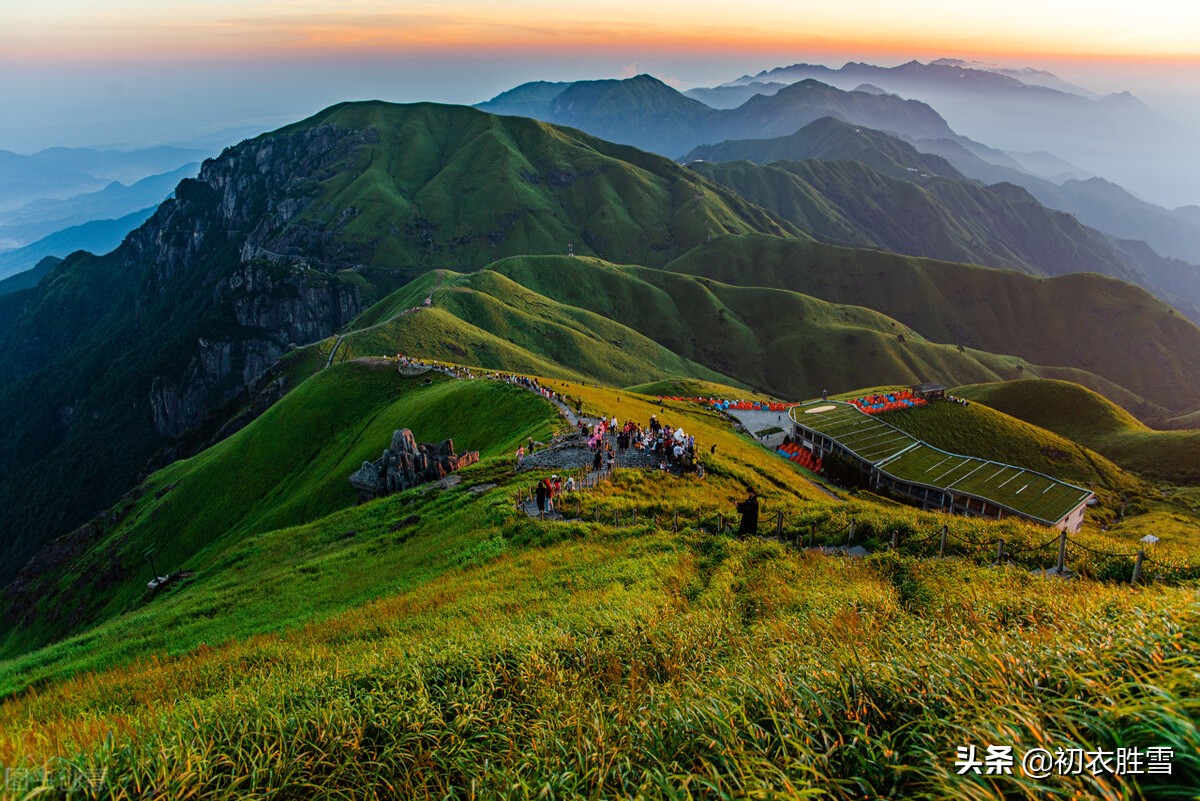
[41, 218]
[119, 363]
[61, 172]
[732, 96]
[281, 241]
[909, 210]
[616, 323]
[997, 226]
[1094, 133]
[1096, 202]
[645, 112]
[1089, 418]
[97, 236]
[1030, 76]
[1081, 323]
[830, 139]
[28, 279]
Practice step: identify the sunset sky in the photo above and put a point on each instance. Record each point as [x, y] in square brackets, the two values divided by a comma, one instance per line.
[139, 70]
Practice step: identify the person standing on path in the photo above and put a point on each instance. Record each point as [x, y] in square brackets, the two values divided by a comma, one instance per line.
[540, 494]
[749, 511]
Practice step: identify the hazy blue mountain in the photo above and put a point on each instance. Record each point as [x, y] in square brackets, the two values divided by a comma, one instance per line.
[94, 236]
[60, 172]
[527, 100]
[1116, 136]
[29, 278]
[830, 139]
[1096, 202]
[732, 96]
[41, 218]
[915, 203]
[645, 112]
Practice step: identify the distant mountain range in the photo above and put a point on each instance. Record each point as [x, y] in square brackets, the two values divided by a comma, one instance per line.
[337, 225]
[61, 172]
[850, 185]
[1116, 136]
[645, 112]
[96, 236]
[39, 218]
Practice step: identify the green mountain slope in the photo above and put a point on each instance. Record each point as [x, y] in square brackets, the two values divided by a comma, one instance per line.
[831, 139]
[288, 467]
[628, 324]
[1086, 417]
[280, 242]
[1144, 351]
[354, 646]
[998, 226]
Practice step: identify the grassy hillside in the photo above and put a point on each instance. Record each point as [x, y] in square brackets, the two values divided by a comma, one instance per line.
[782, 342]
[288, 467]
[624, 324]
[1086, 417]
[482, 649]
[279, 242]
[979, 431]
[435, 186]
[848, 202]
[1144, 353]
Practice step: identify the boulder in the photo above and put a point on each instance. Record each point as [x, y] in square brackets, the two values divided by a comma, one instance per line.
[403, 442]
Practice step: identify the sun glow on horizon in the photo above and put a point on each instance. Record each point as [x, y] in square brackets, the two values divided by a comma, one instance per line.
[137, 29]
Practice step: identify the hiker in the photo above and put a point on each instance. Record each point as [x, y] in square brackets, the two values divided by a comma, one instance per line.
[540, 494]
[596, 460]
[549, 482]
[531, 444]
[749, 511]
[824, 394]
[520, 455]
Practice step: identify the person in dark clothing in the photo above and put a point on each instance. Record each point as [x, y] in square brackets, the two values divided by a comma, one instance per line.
[749, 511]
[596, 460]
[540, 494]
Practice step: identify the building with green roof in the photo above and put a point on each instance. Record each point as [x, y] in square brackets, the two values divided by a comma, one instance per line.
[932, 478]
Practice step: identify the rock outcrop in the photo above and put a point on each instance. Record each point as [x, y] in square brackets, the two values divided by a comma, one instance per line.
[406, 464]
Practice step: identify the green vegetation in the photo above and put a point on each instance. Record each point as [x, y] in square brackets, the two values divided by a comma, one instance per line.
[850, 203]
[288, 467]
[358, 644]
[1090, 419]
[980, 431]
[1069, 321]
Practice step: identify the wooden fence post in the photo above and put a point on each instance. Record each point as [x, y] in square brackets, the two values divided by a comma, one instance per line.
[850, 533]
[635, 515]
[1000, 550]
[1137, 567]
[895, 539]
[779, 525]
[1062, 552]
[675, 521]
[812, 533]
[942, 547]
[720, 523]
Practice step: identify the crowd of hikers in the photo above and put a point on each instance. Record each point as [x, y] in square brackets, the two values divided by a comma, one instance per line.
[673, 447]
